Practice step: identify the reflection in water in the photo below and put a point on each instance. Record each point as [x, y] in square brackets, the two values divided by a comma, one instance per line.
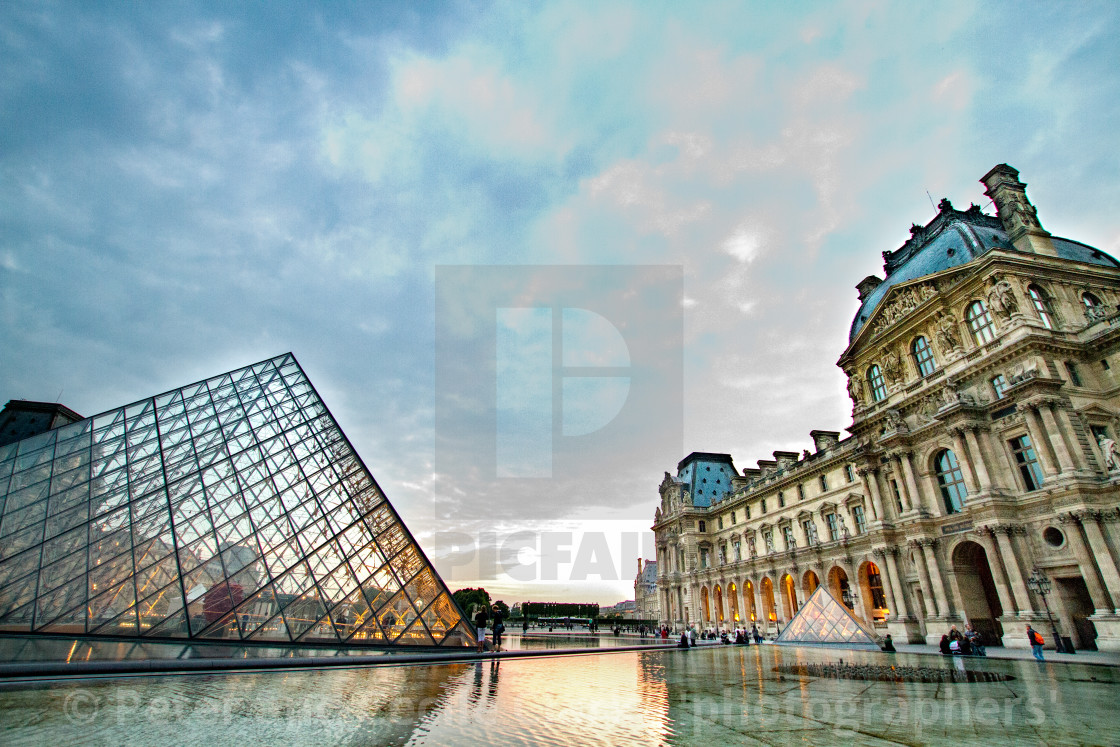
[718, 694]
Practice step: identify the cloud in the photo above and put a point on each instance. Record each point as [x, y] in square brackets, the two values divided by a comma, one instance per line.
[187, 189]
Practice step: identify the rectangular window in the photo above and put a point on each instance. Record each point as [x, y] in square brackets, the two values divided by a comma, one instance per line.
[999, 385]
[800, 492]
[762, 506]
[833, 526]
[897, 495]
[1028, 463]
[849, 473]
[859, 518]
[703, 558]
[703, 527]
[720, 520]
[824, 483]
[1071, 369]
[781, 500]
[791, 543]
[746, 513]
[732, 518]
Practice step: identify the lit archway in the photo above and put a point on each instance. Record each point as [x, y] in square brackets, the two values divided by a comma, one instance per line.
[840, 588]
[809, 583]
[704, 604]
[719, 603]
[789, 597]
[766, 587]
[733, 601]
[871, 590]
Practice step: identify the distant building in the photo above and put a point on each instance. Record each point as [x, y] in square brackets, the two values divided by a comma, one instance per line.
[983, 370]
[22, 419]
[645, 591]
[623, 609]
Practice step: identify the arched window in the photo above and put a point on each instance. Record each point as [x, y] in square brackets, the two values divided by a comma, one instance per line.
[979, 323]
[1090, 300]
[1041, 305]
[923, 356]
[875, 383]
[950, 481]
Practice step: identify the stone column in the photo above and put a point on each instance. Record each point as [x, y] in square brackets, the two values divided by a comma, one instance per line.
[871, 487]
[937, 576]
[1065, 460]
[964, 460]
[1072, 523]
[980, 461]
[1011, 562]
[999, 575]
[1040, 446]
[900, 480]
[902, 609]
[1065, 425]
[916, 500]
[1103, 556]
[924, 580]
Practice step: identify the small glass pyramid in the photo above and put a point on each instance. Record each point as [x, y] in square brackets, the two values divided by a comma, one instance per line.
[824, 621]
[233, 508]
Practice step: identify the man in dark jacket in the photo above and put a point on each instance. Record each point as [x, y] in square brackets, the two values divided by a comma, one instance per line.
[1036, 642]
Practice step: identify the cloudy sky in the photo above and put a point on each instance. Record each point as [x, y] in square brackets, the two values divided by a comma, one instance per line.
[188, 188]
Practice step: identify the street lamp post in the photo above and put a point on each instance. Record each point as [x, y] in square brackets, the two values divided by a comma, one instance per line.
[1040, 585]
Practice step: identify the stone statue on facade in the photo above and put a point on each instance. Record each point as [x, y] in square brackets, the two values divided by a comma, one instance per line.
[1001, 299]
[948, 339]
[892, 367]
[1110, 453]
[855, 389]
[892, 421]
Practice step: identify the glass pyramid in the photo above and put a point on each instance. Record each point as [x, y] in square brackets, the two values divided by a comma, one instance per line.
[233, 508]
[824, 621]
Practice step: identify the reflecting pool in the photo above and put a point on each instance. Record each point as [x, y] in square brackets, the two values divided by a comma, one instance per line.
[709, 695]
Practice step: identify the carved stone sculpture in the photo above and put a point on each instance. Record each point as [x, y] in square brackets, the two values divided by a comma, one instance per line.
[892, 367]
[948, 338]
[1110, 452]
[1001, 298]
[855, 389]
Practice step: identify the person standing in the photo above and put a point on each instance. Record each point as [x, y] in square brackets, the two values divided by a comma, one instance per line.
[1036, 642]
[497, 627]
[481, 618]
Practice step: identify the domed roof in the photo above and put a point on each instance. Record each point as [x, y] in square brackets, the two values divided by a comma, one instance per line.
[955, 237]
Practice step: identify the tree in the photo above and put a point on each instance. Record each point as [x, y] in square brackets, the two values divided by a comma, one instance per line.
[467, 599]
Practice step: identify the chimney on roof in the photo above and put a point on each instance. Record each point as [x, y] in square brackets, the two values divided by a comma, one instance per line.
[867, 286]
[1018, 215]
[824, 439]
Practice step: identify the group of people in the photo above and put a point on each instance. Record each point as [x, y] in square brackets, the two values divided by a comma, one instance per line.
[740, 636]
[968, 643]
[494, 618]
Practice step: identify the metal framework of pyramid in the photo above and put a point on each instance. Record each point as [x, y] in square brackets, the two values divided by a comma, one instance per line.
[234, 509]
[823, 621]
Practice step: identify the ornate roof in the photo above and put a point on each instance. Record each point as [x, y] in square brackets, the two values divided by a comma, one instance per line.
[954, 237]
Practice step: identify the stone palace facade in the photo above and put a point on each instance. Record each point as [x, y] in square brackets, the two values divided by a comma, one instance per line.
[985, 375]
